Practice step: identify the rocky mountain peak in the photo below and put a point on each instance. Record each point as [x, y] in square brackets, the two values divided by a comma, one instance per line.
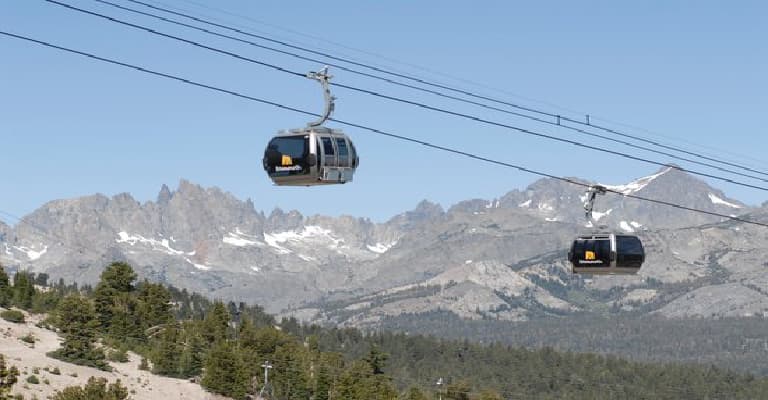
[165, 195]
[281, 221]
[424, 211]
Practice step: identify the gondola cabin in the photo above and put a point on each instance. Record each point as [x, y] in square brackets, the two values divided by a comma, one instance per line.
[310, 156]
[606, 253]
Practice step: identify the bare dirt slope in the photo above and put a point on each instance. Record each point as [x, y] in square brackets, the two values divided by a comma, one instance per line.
[142, 384]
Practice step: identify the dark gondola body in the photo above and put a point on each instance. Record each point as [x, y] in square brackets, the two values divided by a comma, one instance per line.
[310, 156]
[606, 254]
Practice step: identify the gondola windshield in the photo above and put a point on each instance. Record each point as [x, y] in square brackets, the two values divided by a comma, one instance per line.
[288, 155]
[630, 252]
[592, 252]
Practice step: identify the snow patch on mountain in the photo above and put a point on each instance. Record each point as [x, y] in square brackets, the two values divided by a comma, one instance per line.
[596, 215]
[240, 239]
[716, 200]
[307, 258]
[625, 227]
[31, 253]
[637, 184]
[381, 248]
[201, 267]
[310, 234]
[545, 207]
[525, 204]
[158, 245]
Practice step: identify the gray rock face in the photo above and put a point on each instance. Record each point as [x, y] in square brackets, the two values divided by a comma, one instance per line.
[726, 300]
[501, 258]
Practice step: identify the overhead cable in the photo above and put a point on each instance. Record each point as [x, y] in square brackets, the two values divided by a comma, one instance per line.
[447, 87]
[556, 123]
[371, 129]
[413, 103]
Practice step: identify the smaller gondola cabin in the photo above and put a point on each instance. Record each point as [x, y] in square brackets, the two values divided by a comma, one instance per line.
[310, 156]
[606, 253]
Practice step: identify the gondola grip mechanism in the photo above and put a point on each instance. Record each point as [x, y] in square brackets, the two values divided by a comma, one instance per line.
[324, 78]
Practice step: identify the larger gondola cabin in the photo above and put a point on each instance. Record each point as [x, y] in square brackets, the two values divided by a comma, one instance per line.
[310, 156]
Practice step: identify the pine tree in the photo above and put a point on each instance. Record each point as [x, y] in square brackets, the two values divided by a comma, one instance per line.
[376, 359]
[325, 378]
[216, 323]
[358, 382]
[265, 341]
[23, 290]
[76, 320]
[248, 341]
[166, 358]
[41, 279]
[154, 304]
[5, 289]
[125, 325]
[8, 378]
[323, 382]
[295, 384]
[117, 278]
[225, 372]
[193, 355]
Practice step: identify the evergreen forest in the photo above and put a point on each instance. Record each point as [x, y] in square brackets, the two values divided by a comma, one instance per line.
[228, 347]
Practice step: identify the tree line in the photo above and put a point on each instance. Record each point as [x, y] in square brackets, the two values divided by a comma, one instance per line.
[226, 347]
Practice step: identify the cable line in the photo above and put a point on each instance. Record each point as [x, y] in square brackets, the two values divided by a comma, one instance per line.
[371, 129]
[414, 103]
[438, 93]
[756, 163]
[449, 88]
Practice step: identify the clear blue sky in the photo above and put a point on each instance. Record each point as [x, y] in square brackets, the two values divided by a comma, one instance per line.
[69, 126]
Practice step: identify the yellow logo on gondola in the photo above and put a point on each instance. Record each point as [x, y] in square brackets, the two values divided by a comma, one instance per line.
[287, 160]
[589, 255]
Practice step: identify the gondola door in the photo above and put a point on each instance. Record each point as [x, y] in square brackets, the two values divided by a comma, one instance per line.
[343, 152]
[331, 171]
[330, 158]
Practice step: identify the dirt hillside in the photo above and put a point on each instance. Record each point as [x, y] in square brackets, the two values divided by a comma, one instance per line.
[30, 358]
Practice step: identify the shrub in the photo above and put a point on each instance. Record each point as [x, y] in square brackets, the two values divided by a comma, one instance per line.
[56, 371]
[96, 388]
[14, 316]
[33, 379]
[28, 338]
[144, 365]
[119, 355]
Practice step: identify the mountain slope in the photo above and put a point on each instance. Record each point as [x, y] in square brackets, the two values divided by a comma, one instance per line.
[351, 270]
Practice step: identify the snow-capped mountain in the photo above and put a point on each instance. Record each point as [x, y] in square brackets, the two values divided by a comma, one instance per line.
[500, 257]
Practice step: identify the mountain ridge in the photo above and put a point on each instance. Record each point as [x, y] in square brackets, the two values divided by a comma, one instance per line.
[207, 240]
